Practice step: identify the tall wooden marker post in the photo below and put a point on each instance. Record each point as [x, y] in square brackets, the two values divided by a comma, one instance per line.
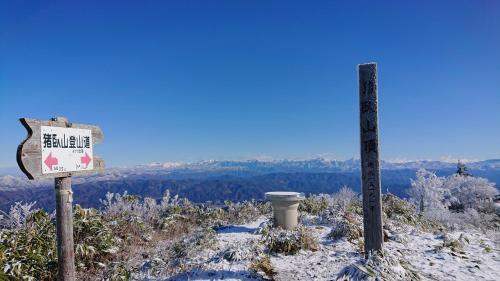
[59, 149]
[370, 161]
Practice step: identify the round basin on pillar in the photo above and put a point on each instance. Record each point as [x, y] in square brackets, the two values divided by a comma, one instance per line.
[285, 205]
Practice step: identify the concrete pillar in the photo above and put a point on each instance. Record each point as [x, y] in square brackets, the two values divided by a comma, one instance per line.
[285, 205]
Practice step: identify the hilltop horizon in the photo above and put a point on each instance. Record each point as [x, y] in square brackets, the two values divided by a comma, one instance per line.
[324, 158]
[175, 164]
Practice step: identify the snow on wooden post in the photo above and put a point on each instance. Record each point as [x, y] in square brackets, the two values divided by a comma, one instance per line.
[58, 149]
[370, 162]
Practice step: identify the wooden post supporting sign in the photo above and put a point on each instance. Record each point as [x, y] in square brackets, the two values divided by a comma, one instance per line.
[59, 149]
[370, 161]
[64, 224]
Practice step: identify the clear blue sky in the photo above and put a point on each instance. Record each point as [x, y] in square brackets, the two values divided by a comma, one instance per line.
[191, 80]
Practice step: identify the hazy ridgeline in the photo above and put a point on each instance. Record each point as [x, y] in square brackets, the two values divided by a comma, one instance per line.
[217, 186]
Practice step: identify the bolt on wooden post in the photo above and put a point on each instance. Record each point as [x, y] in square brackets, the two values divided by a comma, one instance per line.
[370, 161]
[59, 149]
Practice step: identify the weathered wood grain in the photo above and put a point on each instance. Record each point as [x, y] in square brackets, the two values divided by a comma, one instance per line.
[370, 160]
[29, 152]
[64, 229]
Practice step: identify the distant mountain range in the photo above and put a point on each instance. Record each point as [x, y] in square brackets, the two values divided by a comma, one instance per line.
[217, 181]
[312, 165]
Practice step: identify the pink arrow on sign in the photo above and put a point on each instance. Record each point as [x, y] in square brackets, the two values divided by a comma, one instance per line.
[50, 161]
[85, 160]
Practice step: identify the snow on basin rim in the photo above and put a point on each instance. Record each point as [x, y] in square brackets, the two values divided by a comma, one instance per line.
[284, 195]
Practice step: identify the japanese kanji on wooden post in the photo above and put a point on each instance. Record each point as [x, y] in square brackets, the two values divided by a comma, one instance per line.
[59, 149]
[370, 161]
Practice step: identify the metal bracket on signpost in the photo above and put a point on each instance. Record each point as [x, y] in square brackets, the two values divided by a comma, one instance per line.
[70, 196]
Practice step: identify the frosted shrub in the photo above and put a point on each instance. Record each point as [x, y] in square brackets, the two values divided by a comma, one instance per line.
[244, 212]
[264, 227]
[398, 209]
[126, 216]
[152, 210]
[455, 200]
[171, 221]
[125, 225]
[238, 252]
[132, 217]
[231, 213]
[349, 226]
[427, 192]
[315, 204]
[209, 217]
[28, 249]
[472, 218]
[456, 245]
[345, 198]
[263, 266]
[94, 240]
[185, 252]
[28, 243]
[119, 205]
[400, 213]
[378, 266]
[289, 242]
[16, 218]
[471, 192]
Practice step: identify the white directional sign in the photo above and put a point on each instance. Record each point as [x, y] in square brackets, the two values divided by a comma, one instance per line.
[57, 148]
[66, 149]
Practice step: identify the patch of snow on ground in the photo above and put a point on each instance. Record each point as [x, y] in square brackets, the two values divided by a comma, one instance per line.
[422, 251]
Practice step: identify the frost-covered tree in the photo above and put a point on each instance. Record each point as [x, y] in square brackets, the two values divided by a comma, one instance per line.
[435, 196]
[344, 197]
[462, 169]
[17, 216]
[470, 192]
[426, 192]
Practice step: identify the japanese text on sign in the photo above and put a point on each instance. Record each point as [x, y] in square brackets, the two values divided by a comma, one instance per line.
[66, 149]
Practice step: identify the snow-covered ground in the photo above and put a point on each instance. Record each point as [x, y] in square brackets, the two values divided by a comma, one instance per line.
[421, 251]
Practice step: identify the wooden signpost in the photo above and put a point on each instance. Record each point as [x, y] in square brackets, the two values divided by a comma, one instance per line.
[59, 149]
[370, 161]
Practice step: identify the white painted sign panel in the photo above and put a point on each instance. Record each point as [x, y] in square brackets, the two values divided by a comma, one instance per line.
[66, 149]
